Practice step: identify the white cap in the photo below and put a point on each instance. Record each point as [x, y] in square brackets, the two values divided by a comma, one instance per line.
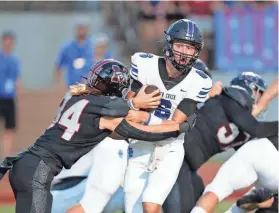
[101, 38]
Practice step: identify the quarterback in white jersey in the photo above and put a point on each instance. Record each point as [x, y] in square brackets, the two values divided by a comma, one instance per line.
[153, 168]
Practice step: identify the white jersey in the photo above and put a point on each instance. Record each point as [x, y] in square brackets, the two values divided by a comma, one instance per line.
[80, 169]
[195, 86]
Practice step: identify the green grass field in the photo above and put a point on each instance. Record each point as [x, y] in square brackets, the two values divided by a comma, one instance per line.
[222, 207]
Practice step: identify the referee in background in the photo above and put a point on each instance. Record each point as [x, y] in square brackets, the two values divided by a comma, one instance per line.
[9, 75]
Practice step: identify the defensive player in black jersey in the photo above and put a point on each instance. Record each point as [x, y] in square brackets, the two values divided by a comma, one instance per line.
[224, 122]
[87, 114]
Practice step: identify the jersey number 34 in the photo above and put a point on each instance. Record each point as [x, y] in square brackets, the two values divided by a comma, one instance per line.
[70, 117]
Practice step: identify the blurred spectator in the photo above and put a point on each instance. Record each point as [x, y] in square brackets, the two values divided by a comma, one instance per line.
[75, 56]
[152, 24]
[9, 75]
[100, 48]
[175, 11]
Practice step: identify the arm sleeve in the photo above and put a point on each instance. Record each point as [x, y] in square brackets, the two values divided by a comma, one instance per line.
[135, 72]
[134, 67]
[187, 106]
[108, 106]
[126, 130]
[136, 85]
[17, 69]
[242, 118]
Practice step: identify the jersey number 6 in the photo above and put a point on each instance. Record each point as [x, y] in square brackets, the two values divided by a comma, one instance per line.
[163, 110]
[70, 117]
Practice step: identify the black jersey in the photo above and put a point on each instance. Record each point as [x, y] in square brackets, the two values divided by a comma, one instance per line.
[222, 123]
[75, 130]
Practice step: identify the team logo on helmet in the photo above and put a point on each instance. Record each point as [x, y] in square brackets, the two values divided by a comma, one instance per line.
[119, 75]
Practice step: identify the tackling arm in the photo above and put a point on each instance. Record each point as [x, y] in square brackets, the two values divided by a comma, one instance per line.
[269, 94]
[242, 118]
[148, 133]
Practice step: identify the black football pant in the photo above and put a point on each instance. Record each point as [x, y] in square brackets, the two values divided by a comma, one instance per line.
[185, 193]
[30, 179]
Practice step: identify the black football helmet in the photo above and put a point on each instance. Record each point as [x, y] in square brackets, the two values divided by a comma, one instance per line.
[251, 82]
[109, 76]
[184, 31]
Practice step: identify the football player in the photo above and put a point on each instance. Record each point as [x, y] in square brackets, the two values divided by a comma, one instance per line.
[152, 169]
[89, 180]
[224, 122]
[87, 114]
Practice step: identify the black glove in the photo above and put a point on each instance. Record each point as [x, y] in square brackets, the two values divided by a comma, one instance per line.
[188, 125]
[256, 196]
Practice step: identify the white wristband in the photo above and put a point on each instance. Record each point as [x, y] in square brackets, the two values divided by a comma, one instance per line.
[130, 103]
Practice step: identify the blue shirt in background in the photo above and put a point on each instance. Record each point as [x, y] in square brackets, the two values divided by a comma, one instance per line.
[76, 59]
[9, 73]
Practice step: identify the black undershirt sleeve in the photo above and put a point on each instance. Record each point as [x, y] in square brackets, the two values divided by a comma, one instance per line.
[136, 85]
[187, 106]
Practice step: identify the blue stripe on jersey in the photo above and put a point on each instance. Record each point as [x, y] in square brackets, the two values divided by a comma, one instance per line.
[202, 74]
[134, 65]
[203, 92]
[204, 96]
[134, 70]
[207, 88]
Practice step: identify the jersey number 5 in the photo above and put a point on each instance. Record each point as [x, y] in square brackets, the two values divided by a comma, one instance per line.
[70, 117]
[226, 134]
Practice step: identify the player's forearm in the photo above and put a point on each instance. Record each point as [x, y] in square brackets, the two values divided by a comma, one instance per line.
[113, 123]
[146, 133]
[263, 129]
[269, 94]
[156, 128]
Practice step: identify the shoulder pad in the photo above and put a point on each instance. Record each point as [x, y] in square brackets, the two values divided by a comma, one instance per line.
[208, 73]
[137, 59]
[138, 55]
[146, 55]
[201, 87]
[240, 96]
[202, 74]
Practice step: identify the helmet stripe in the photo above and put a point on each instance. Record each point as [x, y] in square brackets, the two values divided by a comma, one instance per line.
[99, 65]
[190, 29]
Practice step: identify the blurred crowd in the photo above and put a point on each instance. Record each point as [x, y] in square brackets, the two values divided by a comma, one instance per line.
[155, 16]
[78, 55]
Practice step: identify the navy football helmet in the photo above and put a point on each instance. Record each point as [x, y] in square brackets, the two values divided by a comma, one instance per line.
[184, 31]
[109, 76]
[251, 82]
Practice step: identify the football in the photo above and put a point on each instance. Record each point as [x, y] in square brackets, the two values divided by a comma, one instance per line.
[151, 88]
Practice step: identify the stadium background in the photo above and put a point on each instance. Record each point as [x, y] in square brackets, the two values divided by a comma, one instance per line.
[239, 36]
